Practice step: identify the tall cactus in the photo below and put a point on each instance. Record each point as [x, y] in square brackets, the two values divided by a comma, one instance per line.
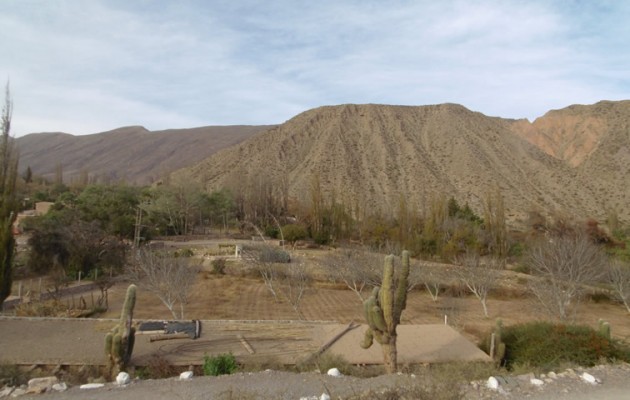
[119, 341]
[383, 309]
[498, 352]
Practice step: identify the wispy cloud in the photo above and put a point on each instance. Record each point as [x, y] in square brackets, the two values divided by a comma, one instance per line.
[89, 66]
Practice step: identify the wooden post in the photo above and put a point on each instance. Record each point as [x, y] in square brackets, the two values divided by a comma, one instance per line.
[492, 340]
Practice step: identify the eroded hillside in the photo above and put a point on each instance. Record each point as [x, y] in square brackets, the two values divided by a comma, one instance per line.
[373, 154]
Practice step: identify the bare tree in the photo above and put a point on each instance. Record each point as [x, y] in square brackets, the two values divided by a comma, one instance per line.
[286, 278]
[169, 278]
[564, 265]
[619, 278]
[263, 259]
[431, 277]
[479, 276]
[357, 269]
[294, 280]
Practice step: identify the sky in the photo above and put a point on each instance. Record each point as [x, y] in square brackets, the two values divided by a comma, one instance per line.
[90, 66]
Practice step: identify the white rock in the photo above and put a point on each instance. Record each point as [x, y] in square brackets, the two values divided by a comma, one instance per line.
[60, 387]
[536, 382]
[18, 392]
[92, 386]
[586, 377]
[40, 385]
[334, 372]
[6, 391]
[123, 378]
[186, 376]
[552, 375]
[493, 383]
[324, 396]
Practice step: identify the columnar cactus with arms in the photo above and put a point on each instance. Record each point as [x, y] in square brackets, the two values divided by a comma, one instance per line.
[119, 341]
[384, 308]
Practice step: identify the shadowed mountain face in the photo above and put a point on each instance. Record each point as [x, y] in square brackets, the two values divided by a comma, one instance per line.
[132, 154]
[371, 155]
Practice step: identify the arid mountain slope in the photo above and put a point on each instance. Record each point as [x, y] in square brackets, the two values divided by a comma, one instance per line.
[595, 141]
[373, 154]
[130, 153]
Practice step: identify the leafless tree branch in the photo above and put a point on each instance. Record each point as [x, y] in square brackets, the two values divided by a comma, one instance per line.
[564, 265]
[169, 278]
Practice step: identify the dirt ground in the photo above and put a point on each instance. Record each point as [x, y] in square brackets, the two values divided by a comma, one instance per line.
[238, 296]
[246, 298]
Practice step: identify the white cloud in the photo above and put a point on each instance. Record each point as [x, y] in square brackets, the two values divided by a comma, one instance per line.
[90, 66]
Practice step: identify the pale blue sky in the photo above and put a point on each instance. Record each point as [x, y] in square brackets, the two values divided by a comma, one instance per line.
[89, 66]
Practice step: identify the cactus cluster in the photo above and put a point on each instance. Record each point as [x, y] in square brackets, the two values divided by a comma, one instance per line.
[119, 341]
[384, 308]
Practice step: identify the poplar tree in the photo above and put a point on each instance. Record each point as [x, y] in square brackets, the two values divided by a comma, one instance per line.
[8, 203]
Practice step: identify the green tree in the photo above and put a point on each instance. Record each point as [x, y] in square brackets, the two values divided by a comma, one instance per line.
[8, 202]
[174, 209]
[62, 239]
[113, 205]
[221, 208]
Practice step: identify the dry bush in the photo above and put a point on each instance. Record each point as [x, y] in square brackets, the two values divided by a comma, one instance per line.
[619, 279]
[263, 363]
[158, 367]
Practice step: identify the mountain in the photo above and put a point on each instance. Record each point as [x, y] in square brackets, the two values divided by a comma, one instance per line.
[594, 140]
[374, 154]
[133, 153]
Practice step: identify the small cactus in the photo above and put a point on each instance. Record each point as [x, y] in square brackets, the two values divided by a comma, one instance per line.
[383, 310]
[604, 329]
[120, 340]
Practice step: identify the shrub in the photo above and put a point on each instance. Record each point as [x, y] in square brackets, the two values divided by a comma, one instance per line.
[223, 364]
[547, 345]
[294, 232]
[157, 367]
[270, 254]
[218, 266]
[272, 231]
[11, 375]
[184, 253]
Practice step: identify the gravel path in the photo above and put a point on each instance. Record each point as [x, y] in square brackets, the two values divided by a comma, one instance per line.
[615, 384]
